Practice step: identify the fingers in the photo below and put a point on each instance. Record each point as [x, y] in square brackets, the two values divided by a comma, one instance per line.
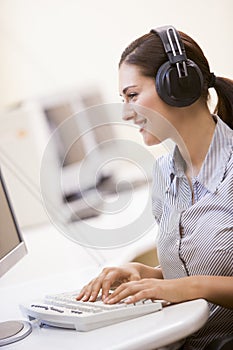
[104, 281]
[132, 292]
[125, 290]
[90, 291]
[141, 295]
[107, 283]
[81, 293]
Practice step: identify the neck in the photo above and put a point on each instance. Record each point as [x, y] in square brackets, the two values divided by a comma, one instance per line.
[195, 127]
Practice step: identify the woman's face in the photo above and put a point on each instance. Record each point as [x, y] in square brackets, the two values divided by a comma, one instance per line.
[138, 90]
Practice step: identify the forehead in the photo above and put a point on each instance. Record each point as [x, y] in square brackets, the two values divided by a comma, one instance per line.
[129, 74]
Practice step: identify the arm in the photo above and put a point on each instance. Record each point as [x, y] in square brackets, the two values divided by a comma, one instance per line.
[216, 289]
[149, 272]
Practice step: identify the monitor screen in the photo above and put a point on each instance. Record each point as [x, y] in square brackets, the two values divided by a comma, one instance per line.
[60, 108]
[12, 246]
[71, 120]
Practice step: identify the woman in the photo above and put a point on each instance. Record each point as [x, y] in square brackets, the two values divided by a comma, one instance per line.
[192, 188]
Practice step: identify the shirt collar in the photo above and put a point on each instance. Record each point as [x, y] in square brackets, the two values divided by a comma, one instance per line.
[215, 163]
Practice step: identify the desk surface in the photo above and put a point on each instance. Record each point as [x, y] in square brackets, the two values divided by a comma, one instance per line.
[147, 332]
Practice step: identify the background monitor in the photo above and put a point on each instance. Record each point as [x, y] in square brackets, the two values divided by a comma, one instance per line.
[63, 109]
[77, 127]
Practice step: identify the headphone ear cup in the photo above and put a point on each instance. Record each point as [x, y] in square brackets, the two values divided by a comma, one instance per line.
[175, 91]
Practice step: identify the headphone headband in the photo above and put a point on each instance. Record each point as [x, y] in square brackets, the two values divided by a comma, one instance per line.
[173, 45]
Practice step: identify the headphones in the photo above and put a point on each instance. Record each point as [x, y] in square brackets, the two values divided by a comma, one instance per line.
[178, 81]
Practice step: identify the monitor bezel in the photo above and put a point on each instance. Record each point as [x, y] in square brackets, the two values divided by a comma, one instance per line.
[18, 252]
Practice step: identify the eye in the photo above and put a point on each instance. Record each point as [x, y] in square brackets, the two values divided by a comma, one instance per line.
[131, 96]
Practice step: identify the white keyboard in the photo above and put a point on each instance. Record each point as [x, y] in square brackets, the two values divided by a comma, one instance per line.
[63, 310]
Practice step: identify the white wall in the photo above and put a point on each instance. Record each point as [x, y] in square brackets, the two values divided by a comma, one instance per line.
[47, 45]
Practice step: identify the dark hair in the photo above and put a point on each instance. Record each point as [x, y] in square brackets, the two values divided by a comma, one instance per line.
[147, 52]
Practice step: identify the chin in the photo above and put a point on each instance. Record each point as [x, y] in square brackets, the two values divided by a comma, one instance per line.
[150, 140]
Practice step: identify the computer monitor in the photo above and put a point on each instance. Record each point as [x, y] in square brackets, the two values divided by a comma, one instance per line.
[12, 249]
[12, 246]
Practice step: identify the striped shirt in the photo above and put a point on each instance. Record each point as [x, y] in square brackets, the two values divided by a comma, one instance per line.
[196, 230]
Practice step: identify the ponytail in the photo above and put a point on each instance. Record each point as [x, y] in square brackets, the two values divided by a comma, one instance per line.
[224, 107]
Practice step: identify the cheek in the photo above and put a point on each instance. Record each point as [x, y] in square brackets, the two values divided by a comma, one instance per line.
[148, 101]
[154, 103]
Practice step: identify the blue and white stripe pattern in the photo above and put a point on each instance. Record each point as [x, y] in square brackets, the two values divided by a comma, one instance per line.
[196, 231]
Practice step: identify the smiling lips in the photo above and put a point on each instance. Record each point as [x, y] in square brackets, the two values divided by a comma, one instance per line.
[141, 123]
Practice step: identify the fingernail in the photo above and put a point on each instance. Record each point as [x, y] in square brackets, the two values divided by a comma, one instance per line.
[128, 300]
[110, 301]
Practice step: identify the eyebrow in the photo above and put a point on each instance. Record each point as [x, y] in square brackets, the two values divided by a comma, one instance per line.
[126, 88]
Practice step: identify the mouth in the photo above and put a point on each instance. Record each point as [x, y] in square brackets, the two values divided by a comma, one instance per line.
[141, 124]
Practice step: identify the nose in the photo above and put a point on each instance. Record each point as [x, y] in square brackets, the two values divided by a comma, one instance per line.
[128, 113]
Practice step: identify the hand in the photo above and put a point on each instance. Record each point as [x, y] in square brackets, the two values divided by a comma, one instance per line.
[172, 290]
[110, 277]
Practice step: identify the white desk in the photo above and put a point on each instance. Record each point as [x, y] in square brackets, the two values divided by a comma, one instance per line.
[147, 332]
